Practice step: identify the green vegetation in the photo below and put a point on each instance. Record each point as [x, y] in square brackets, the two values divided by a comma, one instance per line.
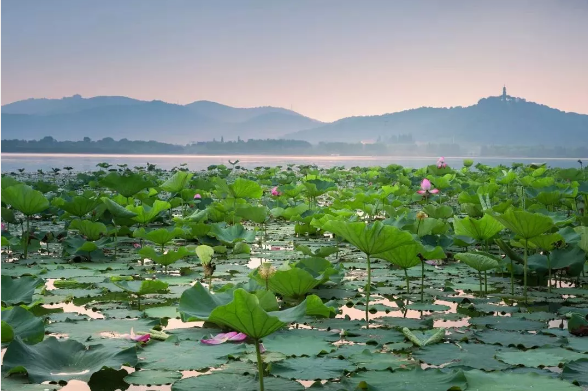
[114, 268]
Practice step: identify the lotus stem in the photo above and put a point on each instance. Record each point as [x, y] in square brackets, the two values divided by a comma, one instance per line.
[115, 241]
[511, 277]
[27, 236]
[549, 271]
[407, 281]
[422, 280]
[259, 364]
[480, 279]
[525, 272]
[485, 282]
[367, 292]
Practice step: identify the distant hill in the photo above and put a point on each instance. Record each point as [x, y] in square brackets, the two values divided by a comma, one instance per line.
[493, 120]
[74, 118]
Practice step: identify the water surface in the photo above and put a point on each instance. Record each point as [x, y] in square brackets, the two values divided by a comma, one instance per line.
[86, 162]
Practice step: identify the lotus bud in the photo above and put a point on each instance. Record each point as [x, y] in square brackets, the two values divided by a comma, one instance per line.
[266, 270]
[421, 215]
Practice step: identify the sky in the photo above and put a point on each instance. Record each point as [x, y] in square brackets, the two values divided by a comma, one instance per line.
[325, 59]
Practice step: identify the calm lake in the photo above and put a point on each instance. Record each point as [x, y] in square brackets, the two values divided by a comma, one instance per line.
[32, 162]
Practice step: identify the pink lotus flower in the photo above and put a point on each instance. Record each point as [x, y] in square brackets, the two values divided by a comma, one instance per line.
[136, 245]
[143, 338]
[197, 196]
[426, 188]
[275, 191]
[3, 227]
[261, 348]
[441, 162]
[233, 336]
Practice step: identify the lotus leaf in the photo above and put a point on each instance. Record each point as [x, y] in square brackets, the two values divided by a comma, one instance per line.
[54, 360]
[245, 314]
[18, 290]
[176, 182]
[24, 199]
[127, 184]
[22, 324]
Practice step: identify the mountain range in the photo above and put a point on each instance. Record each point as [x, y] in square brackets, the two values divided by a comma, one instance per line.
[493, 120]
[73, 118]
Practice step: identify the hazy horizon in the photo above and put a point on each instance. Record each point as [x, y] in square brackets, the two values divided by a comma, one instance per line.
[326, 60]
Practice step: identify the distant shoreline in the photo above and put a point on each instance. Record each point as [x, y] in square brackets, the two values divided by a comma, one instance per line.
[294, 156]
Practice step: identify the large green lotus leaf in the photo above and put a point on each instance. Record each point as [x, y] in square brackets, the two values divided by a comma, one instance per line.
[79, 206]
[379, 361]
[576, 371]
[438, 212]
[117, 210]
[501, 381]
[234, 382]
[152, 377]
[470, 355]
[19, 290]
[78, 245]
[480, 261]
[572, 260]
[293, 282]
[177, 182]
[127, 185]
[23, 324]
[405, 256]
[579, 344]
[204, 253]
[8, 181]
[90, 229]
[525, 224]
[246, 315]
[583, 242]
[316, 307]
[413, 380]
[299, 342]
[54, 360]
[187, 355]
[232, 234]
[24, 199]
[312, 368]
[196, 230]
[290, 212]
[257, 214]
[546, 242]
[141, 288]
[548, 357]
[506, 338]
[145, 214]
[424, 338]
[320, 267]
[197, 302]
[245, 188]
[166, 258]
[317, 187]
[372, 239]
[480, 229]
[159, 236]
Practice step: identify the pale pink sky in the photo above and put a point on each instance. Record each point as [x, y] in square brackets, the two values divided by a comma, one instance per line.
[327, 59]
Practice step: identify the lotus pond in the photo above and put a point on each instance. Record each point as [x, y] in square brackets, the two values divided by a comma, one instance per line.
[295, 277]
